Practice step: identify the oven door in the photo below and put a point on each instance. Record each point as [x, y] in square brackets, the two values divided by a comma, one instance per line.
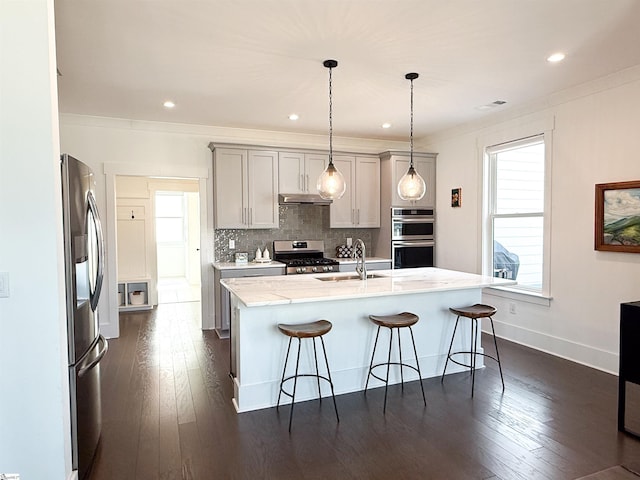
[413, 254]
[416, 228]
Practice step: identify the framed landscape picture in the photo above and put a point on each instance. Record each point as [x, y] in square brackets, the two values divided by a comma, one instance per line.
[617, 222]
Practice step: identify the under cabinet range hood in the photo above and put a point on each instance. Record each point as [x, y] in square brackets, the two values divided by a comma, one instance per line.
[302, 198]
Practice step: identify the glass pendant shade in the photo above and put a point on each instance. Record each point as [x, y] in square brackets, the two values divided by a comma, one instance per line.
[412, 186]
[331, 183]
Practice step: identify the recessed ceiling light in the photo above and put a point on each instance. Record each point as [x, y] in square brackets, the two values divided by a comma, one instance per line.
[556, 57]
[169, 104]
[294, 116]
[386, 125]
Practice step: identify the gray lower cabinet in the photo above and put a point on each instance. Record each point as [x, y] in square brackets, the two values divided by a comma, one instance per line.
[375, 265]
[222, 300]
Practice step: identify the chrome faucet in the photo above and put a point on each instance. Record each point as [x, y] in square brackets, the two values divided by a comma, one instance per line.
[361, 263]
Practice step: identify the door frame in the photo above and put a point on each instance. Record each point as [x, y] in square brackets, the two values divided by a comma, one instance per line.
[111, 327]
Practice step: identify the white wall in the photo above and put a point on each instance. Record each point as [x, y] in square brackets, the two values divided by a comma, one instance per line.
[35, 437]
[595, 140]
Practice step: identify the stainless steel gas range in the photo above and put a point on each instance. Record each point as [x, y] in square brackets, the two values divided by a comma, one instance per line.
[303, 256]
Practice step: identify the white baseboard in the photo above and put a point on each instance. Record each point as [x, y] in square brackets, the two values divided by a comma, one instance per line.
[576, 352]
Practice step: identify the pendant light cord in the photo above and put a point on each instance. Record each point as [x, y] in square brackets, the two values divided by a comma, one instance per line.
[330, 119]
[411, 134]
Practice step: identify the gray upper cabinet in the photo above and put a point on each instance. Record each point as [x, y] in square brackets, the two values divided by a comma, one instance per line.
[395, 165]
[245, 188]
[299, 172]
[359, 207]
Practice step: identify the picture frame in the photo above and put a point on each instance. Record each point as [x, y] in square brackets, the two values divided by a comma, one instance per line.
[617, 217]
[456, 197]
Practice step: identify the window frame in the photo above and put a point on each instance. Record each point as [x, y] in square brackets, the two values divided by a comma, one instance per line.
[488, 215]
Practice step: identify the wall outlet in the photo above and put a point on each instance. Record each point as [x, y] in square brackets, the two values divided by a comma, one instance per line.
[232, 244]
[512, 308]
[349, 241]
[4, 284]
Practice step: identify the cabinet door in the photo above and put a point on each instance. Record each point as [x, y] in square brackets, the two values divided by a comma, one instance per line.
[263, 189]
[342, 211]
[426, 168]
[291, 175]
[230, 173]
[134, 237]
[367, 190]
[314, 166]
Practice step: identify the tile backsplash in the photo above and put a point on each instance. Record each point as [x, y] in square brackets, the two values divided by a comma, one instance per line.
[297, 222]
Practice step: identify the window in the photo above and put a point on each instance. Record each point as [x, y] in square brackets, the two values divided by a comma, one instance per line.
[516, 213]
[170, 217]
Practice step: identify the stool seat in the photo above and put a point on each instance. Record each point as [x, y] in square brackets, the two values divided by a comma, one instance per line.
[398, 320]
[306, 330]
[475, 311]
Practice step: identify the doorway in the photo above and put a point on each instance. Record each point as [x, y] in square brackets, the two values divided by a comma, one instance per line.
[177, 226]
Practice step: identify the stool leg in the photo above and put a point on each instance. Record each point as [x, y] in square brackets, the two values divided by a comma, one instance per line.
[326, 361]
[472, 357]
[375, 344]
[315, 355]
[295, 384]
[417, 365]
[495, 342]
[286, 359]
[400, 350]
[386, 383]
[474, 351]
[453, 336]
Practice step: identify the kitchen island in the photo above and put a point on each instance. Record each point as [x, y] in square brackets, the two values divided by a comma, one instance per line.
[258, 304]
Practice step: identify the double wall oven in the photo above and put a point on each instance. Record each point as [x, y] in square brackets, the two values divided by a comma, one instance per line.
[412, 237]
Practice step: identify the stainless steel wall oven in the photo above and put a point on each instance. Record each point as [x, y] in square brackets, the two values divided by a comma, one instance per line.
[412, 237]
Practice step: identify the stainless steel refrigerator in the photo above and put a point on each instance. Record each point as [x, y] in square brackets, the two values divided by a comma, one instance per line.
[84, 268]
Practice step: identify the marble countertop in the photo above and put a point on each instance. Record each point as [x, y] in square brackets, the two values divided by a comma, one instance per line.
[235, 266]
[287, 289]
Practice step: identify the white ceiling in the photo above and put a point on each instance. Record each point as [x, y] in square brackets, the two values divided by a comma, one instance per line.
[249, 64]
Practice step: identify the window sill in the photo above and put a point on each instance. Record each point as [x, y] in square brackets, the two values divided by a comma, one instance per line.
[520, 295]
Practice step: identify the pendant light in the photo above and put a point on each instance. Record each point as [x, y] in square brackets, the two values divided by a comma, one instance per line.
[411, 186]
[331, 184]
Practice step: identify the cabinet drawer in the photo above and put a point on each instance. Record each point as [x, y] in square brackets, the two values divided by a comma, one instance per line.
[252, 272]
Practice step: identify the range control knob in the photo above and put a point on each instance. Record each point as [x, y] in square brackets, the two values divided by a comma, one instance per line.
[329, 268]
[314, 269]
[300, 270]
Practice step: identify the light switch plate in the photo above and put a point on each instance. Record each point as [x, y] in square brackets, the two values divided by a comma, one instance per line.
[4, 284]
[232, 244]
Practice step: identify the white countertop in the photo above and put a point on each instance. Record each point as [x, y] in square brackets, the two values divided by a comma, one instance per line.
[286, 289]
[236, 266]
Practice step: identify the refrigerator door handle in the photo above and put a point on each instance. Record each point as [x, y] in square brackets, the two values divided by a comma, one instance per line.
[100, 270]
[103, 351]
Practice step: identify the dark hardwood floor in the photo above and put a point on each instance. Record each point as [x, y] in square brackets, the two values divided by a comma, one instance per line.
[167, 414]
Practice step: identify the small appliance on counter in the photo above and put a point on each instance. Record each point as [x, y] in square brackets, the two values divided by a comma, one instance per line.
[242, 258]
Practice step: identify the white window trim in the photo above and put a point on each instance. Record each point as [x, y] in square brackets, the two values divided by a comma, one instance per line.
[538, 127]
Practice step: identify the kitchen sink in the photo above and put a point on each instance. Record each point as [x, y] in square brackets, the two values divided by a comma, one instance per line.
[339, 278]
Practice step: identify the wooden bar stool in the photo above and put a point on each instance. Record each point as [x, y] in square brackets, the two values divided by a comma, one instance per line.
[473, 312]
[396, 321]
[310, 330]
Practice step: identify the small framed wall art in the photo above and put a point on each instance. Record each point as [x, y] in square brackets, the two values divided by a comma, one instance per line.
[617, 222]
[456, 197]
